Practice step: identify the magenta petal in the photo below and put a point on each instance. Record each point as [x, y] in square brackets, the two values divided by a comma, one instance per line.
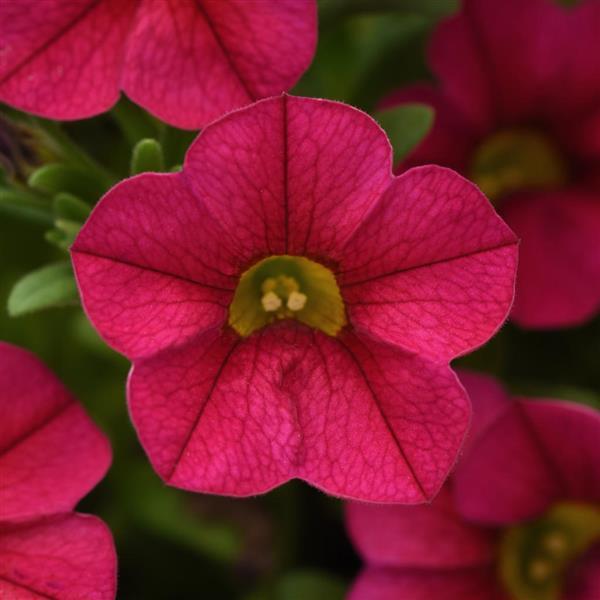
[63, 60]
[355, 418]
[432, 268]
[536, 453]
[489, 400]
[68, 557]
[409, 584]
[145, 280]
[559, 264]
[583, 580]
[190, 62]
[290, 175]
[427, 536]
[51, 454]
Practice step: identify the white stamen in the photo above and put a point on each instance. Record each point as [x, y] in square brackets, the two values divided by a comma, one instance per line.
[555, 542]
[296, 301]
[271, 302]
[540, 570]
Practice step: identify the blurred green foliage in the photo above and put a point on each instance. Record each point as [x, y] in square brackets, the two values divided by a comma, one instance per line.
[289, 544]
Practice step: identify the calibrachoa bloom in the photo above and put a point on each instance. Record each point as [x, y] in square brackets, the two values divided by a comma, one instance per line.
[186, 61]
[518, 112]
[520, 519]
[291, 308]
[51, 454]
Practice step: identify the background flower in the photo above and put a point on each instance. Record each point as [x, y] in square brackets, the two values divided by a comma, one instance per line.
[51, 454]
[186, 62]
[518, 111]
[509, 525]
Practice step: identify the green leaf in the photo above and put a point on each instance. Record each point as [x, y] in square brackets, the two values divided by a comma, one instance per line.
[25, 206]
[55, 178]
[406, 126]
[147, 156]
[67, 206]
[50, 286]
[316, 585]
[331, 10]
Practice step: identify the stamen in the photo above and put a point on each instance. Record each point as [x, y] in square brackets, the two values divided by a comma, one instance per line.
[296, 301]
[540, 570]
[556, 543]
[271, 302]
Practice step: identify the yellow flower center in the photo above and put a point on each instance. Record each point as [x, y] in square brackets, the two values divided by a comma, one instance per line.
[514, 160]
[535, 557]
[287, 287]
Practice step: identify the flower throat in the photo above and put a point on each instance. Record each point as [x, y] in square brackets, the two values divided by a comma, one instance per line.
[517, 159]
[534, 558]
[287, 287]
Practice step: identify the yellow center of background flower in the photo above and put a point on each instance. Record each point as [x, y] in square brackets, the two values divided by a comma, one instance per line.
[287, 287]
[514, 160]
[535, 557]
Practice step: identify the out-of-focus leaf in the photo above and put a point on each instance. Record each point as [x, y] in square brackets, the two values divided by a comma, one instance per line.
[67, 206]
[363, 57]
[147, 156]
[406, 126]
[27, 207]
[54, 178]
[163, 510]
[48, 287]
[316, 585]
[432, 9]
[135, 123]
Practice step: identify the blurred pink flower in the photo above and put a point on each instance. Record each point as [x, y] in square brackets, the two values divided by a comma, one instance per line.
[518, 111]
[525, 461]
[185, 62]
[403, 274]
[51, 454]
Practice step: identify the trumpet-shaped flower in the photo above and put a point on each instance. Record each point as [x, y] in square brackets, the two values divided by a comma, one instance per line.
[187, 62]
[518, 112]
[519, 520]
[290, 307]
[51, 454]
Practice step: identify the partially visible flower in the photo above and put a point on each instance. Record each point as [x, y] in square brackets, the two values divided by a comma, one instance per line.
[518, 112]
[51, 454]
[291, 308]
[187, 62]
[519, 520]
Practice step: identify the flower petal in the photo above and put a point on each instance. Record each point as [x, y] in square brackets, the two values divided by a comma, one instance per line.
[408, 584]
[355, 418]
[537, 453]
[153, 268]
[290, 175]
[559, 263]
[427, 536]
[190, 62]
[432, 268]
[62, 59]
[583, 579]
[51, 454]
[67, 557]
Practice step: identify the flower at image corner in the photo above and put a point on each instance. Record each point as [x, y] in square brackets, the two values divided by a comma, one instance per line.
[51, 455]
[518, 520]
[186, 62]
[290, 307]
[518, 112]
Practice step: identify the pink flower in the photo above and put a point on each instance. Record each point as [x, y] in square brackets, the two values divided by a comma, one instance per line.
[518, 112]
[185, 62]
[51, 454]
[291, 308]
[520, 518]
